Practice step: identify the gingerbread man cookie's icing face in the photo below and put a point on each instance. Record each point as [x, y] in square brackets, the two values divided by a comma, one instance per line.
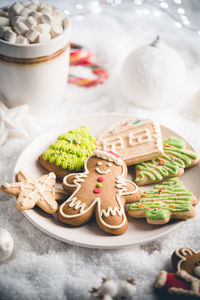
[103, 167]
[100, 163]
[102, 189]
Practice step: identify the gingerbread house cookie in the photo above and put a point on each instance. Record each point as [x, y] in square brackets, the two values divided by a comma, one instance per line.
[135, 140]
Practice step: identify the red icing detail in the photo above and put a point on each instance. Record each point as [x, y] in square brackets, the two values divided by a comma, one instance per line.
[177, 282]
[175, 182]
[160, 190]
[100, 179]
[179, 194]
[116, 155]
[174, 281]
[97, 190]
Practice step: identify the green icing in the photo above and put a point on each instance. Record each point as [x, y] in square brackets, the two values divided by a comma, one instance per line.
[169, 196]
[155, 214]
[71, 149]
[175, 141]
[175, 157]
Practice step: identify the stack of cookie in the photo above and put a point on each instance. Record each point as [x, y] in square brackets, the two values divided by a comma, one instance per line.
[94, 177]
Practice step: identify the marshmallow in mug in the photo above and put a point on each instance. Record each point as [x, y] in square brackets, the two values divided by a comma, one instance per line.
[30, 22]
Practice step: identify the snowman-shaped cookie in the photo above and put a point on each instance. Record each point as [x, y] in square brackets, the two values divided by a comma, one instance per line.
[101, 189]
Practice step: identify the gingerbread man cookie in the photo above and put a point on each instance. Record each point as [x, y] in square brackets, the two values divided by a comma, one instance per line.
[185, 282]
[168, 200]
[31, 192]
[102, 189]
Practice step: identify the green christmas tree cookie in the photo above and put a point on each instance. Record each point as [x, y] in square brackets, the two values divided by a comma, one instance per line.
[175, 159]
[168, 200]
[69, 152]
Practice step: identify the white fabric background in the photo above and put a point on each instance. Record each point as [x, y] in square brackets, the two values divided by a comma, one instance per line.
[44, 268]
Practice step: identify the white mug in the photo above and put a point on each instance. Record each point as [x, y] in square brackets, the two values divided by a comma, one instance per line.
[35, 74]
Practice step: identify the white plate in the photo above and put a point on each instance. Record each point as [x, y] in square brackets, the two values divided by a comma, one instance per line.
[90, 235]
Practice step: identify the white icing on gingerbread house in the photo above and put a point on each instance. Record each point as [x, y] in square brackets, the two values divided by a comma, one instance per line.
[134, 140]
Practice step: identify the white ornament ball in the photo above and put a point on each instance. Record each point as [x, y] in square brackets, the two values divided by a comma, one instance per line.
[153, 76]
[109, 287]
[126, 289]
[6, 244]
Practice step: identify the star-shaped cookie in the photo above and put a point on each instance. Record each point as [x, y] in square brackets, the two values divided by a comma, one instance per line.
[31, 192]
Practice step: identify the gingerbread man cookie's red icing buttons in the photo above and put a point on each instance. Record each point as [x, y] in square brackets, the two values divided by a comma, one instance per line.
[106, 202]
[184, 283]
[100, 179]
[97, 190]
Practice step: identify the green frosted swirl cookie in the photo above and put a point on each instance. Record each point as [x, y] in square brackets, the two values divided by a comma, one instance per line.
[170, 198]
[175, 158]
[71, 149]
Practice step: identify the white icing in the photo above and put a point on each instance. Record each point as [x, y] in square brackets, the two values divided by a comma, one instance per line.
[195, 282]
[109, 164]
[35, 188]
[108, 156]
[78, 178]
[140, 137]
[194, 287]
[161, 279]
[99, 163]
[6, 244]
[113, 144]
[107, 142]
[181, 253]
[72, 200]
[180, 291]
[111, 211]
[102, 172]
[77, 204]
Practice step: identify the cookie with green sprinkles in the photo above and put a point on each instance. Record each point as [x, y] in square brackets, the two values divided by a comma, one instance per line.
[166, 201]
[175, 159]
[69, 152]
